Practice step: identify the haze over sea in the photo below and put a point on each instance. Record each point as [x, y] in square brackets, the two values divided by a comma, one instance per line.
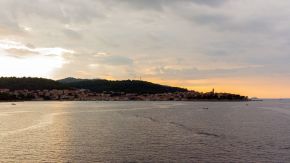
[145, 131]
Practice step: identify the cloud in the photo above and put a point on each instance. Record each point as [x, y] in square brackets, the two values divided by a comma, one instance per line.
[99, 65]
[195, 73]
[210, 2]
[165, 39]
[159, 5]
[18, 50]
[114, 60]
[72, 34]
[19, 53]
[21, 50]
[18, 59]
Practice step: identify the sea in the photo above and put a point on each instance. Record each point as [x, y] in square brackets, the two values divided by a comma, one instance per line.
[257, 131]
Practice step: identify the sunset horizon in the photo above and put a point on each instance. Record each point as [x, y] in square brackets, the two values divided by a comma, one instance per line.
[144, 81]
[223, 86]
[200, 45]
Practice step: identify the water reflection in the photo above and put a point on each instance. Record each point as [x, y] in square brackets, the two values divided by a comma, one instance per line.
[33, 132]
[144, 131]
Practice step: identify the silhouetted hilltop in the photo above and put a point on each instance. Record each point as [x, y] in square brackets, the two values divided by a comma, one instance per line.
[70, 80]
[126, 86]
[12, 88]
[95, 85]
[29, 83]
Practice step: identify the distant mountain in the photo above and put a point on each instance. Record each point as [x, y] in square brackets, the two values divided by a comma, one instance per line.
[95, 85]
[126, 86]
[70, 80]
[14, 83]
[100, 86]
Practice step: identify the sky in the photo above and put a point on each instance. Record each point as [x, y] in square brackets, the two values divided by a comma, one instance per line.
[237, 46]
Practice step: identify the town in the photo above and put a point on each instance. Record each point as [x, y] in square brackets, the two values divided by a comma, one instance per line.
[87, 95]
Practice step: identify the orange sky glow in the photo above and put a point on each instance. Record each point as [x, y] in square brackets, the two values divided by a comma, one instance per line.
[236, 46]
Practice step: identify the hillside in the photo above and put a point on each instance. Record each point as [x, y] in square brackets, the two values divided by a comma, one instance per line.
[117, 90]
[95, 85]
[126, 86]
[14, 83]
[70, 80]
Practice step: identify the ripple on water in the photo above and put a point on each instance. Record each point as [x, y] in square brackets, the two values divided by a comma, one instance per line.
[143, 132]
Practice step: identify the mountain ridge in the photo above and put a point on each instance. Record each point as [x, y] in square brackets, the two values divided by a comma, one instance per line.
[27, 88]
[126, 86]
[95, 85]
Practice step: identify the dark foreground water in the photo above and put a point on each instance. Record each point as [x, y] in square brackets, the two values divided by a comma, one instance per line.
[145, 132]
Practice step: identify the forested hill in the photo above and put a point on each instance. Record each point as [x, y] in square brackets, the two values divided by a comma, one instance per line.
[126, 86]
[96, 85]
[14, 83]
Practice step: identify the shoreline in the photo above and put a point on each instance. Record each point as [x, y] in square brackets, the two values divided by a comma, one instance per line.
[129, 101]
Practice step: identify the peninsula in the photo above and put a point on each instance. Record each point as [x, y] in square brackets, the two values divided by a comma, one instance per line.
[72, 89]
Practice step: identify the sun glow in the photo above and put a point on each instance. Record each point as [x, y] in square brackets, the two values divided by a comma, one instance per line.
[252, 86]
[17, 59]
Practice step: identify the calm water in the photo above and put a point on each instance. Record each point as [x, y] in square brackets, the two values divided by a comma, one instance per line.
[145, 132]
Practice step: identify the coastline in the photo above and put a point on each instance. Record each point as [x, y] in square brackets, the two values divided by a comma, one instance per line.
[129, 101]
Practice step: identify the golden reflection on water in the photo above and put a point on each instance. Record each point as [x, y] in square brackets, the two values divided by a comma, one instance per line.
[144, 132]
[59, 139]
[32, 132]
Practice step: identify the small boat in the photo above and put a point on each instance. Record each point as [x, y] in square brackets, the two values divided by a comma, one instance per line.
[13, 104]
[205, 108]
